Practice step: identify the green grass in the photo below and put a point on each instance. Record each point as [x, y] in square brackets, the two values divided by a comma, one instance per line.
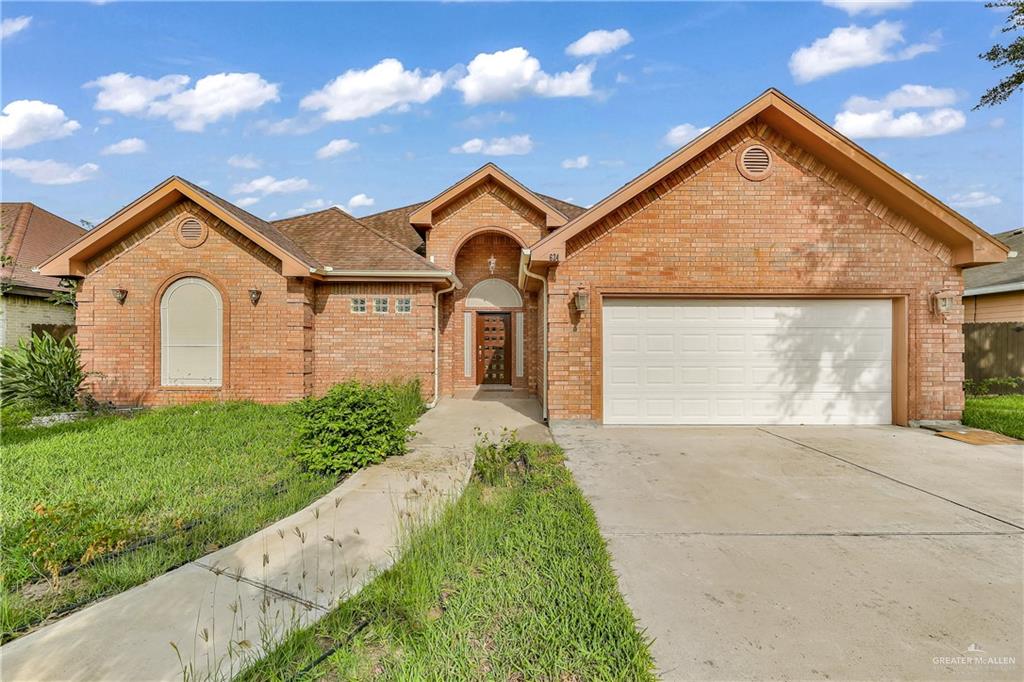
[512, 582]
[1003, 414]
[207, 475]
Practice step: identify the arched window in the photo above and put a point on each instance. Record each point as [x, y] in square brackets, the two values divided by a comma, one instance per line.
[191, 322]
[494, 293]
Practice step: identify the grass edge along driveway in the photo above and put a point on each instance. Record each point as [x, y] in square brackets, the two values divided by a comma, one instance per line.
[512, 582]
[1003, 414]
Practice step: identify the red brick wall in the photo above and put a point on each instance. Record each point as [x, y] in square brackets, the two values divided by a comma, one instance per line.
[487, 206]
[370, 346]
[266, 347]
[801, 231]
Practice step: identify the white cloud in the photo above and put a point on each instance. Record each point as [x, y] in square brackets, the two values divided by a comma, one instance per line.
[359, 201]
[313, 205]
[496, 146]
[28, 121]
[906, 97]
[131, 145]
[385, 86]
[997, 123]
[855, 7]
[976, 199]
[509, 74]
[382, 129]
[914, 177]
[245, 202]
[246, 161]
[335, 148]
[681, 134]
[886, 123]
[49, 172]
[478, 121]
[268, 184]
[579, 162]
[851, 47]
[599, 42]
[8, 27]
[212, 98]
[290, 126]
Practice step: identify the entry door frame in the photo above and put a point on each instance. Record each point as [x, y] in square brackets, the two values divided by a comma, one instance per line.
[510, 331]
[900, 331]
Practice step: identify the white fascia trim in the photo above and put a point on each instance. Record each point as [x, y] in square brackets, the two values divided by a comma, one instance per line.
[995, 289]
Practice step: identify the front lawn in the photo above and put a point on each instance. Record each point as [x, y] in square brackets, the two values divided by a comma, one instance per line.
[1003, 414]
[195, 478]
[513, 582]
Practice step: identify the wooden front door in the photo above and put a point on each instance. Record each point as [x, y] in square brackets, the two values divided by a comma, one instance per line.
[493, 348]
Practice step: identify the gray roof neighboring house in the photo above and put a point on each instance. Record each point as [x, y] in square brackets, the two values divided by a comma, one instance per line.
[1000, 277]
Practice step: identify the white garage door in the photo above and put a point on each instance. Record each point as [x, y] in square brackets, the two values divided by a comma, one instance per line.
[672, 361]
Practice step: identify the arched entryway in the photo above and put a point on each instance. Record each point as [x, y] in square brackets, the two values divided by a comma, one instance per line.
[491, 324]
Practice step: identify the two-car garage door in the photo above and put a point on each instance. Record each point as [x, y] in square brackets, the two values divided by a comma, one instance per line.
[671, 361]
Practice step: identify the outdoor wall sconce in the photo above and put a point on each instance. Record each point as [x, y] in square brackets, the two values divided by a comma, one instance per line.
[119, 295]
[581, 300]
[254, 295]
[492, 263]
[943, 301]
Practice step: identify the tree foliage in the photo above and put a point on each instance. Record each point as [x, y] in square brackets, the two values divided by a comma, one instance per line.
[1006, 55]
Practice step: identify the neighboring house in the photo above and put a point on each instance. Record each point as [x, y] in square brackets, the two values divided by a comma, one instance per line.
[770, 271]
[30, 235]
[995, 293]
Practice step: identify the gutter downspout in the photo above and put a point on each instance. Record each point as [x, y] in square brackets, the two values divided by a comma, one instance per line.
[456, 284]
[524, 272]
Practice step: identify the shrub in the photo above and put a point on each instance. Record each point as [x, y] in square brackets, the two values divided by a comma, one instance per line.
[42, 371]
[356, 425]
[994, 385]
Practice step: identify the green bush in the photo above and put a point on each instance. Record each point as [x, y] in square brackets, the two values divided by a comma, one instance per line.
[995, 385]
[356, 425]
[14, 415]
[43, 372]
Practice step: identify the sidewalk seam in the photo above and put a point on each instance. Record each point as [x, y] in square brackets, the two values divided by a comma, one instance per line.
[263, 586]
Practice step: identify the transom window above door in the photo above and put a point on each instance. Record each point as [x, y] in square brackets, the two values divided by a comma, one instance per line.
[494, 293]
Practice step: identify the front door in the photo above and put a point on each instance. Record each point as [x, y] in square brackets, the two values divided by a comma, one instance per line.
[493, 348]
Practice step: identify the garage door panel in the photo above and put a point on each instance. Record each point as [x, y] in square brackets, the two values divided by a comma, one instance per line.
[742, 362]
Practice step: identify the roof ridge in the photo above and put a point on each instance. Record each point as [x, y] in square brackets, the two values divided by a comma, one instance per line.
[18, 231]
[396, 208]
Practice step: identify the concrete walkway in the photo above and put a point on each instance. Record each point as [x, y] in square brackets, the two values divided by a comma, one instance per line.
[226, 608]
[805, 552]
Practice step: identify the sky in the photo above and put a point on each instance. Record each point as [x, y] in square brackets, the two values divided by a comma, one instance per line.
[286, 108]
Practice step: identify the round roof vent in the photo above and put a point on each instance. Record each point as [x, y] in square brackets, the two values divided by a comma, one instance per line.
[754, 162]
[191, 232]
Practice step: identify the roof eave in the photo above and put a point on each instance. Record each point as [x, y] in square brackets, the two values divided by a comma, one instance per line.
[1007, 287]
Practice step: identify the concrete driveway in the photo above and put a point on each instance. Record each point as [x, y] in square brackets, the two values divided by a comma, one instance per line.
[812, 552]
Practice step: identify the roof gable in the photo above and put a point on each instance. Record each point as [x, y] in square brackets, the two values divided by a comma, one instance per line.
[295, 261]
[424, 215]
[969, 244]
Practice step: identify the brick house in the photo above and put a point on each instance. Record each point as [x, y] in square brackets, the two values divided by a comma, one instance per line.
[769, 271]
[30, 235]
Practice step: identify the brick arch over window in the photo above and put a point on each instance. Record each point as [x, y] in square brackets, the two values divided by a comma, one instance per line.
[191, 333]
[488, 229]
[494, 293]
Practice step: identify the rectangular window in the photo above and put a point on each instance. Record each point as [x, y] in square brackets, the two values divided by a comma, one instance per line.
[403, 305]
[359, 305]
[380, 305]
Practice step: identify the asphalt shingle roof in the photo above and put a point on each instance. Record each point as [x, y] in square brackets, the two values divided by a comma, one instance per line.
[340, 241]
[30, 235]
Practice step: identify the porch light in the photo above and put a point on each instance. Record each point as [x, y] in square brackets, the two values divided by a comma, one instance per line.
[254, 295]
[119, 295]
[492, 262]
[581, 299]
[942, 302]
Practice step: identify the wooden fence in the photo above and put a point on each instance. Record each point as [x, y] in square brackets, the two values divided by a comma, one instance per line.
[993, 349]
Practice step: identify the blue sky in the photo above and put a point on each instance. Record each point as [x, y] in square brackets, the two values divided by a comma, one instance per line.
[287, 107]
